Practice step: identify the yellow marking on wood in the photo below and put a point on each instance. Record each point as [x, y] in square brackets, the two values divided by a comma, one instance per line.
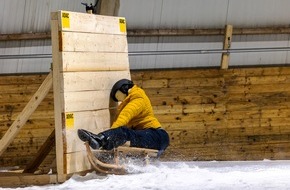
[69, 120]
[122, 23]
[65, 21]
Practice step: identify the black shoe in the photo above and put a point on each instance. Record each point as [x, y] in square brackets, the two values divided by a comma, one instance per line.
[89, 137]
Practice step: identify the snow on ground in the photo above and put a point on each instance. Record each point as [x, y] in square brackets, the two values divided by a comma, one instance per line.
[214, 175]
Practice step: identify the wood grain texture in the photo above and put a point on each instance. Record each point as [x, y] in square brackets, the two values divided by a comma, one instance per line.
[205, 121]
[90, 53]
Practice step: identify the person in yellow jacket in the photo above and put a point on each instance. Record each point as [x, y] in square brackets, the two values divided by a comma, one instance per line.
[135, 122]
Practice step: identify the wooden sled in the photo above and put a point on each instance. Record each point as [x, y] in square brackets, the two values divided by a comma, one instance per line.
[114, 165]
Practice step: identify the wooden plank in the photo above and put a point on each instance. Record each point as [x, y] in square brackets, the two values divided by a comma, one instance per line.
[252, 106]
[79, 42]
[257, 122]
[30, 124]
[22, 79]
[25, 114]
[217, 81]
[46, 114]
[192, 125]
[91, 81]
[260, 71]
[184, 99]
[209, 73]
[176, 74]
[7, 89]
[17, 180]
[259, 88]
[58, 102]
[11, 110]
[86, 61]
[79, 101]
[161, 83]
[186, 109]
[227, 45]
[31, 133]
[16, 99]
[91, 23]
[253, 80]
[239, 97]
[209, 91]
[192, 82]
[211, 116]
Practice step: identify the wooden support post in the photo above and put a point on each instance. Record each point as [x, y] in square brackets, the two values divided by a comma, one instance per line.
[58, 102]
[41, 154]
[26, 113]
[227, 45]
[110, 7]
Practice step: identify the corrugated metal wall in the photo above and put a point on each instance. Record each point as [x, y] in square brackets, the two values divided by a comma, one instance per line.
[198, 14]
[27, 16]
[34, 16]
[204, 13]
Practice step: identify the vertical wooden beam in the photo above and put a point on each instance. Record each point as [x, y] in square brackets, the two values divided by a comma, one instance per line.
[110, 7]
[227, 45]
[26, 113]
[41, 154]
[58, 100]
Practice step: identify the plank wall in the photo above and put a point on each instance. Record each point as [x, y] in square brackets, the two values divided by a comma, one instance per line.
[210, 114]
[213, 114]
[16, 91]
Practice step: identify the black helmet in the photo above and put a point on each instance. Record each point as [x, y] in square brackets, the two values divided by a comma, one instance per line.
[123, 85]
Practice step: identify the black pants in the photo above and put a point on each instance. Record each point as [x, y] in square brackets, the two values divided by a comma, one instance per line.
[148, 138]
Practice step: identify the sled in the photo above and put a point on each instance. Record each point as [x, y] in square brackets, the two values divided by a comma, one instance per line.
[114, 161]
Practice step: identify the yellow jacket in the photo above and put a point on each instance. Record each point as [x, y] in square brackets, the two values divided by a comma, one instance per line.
[136, 111]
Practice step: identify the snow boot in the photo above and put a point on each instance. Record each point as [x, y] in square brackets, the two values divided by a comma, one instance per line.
[95, 141]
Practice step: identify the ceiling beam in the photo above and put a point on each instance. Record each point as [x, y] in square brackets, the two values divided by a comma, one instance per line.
[163, 32]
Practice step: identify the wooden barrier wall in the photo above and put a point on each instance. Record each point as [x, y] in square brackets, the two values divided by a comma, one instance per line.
[90, 53]
[210, 114]
[16, 91]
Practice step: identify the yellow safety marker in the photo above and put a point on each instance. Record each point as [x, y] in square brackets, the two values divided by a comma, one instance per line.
[122, 24]
[69, 120]
[65, 20]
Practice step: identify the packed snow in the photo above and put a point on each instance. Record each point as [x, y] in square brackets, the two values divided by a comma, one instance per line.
[186, 175]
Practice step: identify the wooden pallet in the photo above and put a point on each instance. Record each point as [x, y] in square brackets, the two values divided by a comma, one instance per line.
[116, 167]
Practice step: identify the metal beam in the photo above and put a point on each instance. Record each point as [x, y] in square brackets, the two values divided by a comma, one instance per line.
[162, 32]
[25, 36]
[207, 32]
